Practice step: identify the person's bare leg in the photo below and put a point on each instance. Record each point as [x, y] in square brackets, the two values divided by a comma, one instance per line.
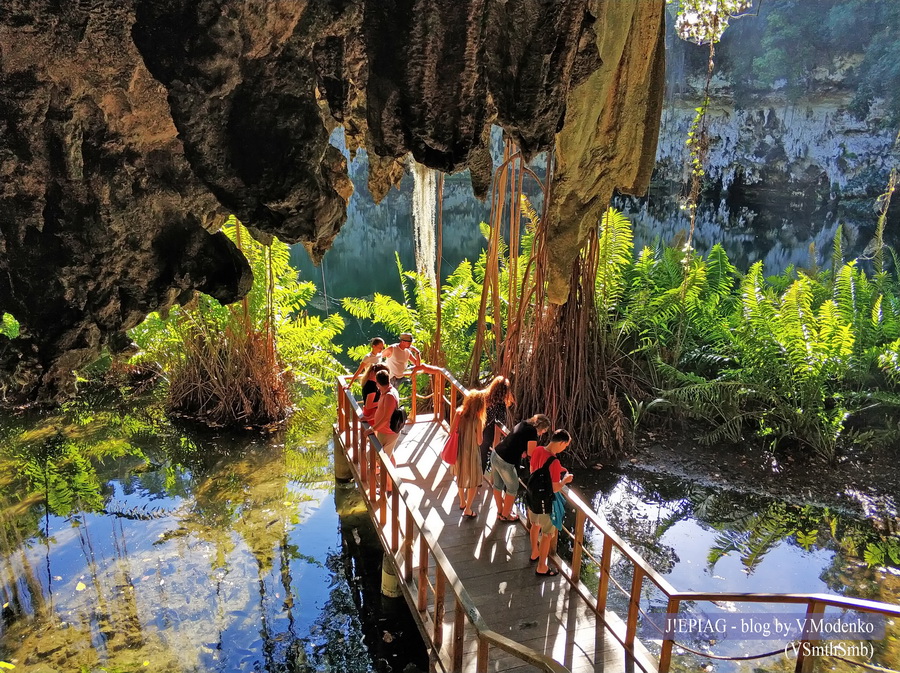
[470, 498]
[544, 551]
[534, 533]
[506, 510]
[498, 500]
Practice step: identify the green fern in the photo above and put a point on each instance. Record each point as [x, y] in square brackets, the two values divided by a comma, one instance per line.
[615, 245]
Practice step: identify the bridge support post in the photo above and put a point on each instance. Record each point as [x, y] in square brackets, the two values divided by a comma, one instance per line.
[341, 464]
[390, 585]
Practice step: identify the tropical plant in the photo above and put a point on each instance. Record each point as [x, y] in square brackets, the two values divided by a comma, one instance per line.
[415, 313]
[235, 365]
[9, 326]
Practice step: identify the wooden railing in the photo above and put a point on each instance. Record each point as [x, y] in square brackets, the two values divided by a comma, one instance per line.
[443, 407]
[424, 570]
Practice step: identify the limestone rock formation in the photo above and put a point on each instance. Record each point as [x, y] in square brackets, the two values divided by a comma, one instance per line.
[130, 127]
[610, 134]
[102, 217]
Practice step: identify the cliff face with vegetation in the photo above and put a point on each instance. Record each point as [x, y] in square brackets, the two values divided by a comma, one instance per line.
[131, 128]
[801, 124]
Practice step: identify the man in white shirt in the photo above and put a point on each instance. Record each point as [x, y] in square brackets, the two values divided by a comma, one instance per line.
[397, 355]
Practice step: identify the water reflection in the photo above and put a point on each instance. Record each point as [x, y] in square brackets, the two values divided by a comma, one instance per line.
[709, 539]
[131, 544]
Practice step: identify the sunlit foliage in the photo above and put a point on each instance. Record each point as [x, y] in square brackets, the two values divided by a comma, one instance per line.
[236, 365]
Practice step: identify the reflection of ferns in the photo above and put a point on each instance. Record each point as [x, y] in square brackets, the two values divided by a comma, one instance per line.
[760, 533]
[136, 513]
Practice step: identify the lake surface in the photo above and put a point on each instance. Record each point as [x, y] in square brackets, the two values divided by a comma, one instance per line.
[713, 540]
[130, 543]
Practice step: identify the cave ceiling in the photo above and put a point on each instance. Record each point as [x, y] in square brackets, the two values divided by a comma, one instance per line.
[129, 129]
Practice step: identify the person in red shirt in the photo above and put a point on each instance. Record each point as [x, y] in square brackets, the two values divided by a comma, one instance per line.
[371, 393]
[542, 530]
[381, 423]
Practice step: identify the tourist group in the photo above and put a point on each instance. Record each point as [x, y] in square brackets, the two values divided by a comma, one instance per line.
[476, 445]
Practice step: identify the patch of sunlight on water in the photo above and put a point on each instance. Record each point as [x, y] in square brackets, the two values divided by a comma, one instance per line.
[130, 545]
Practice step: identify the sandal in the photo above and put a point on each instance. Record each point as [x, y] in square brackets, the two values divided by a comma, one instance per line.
[511, 518]
[473, 515]
[551, 572]
[534, 560]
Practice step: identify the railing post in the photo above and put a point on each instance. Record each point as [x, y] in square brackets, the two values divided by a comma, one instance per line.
[407, 546]
[665, 653]
[353, 450]
[373, 472]
[481, 662]
[459, 633]
[578, 549]
[440, 586]
[348, 410]
[605, 563]
[362, 459]
[453, 392]
[422, 603]
[414, 403]
[437, 396]
[383, 481]
[395, 517]
[637, 581]
[340, 407]
[805, 663]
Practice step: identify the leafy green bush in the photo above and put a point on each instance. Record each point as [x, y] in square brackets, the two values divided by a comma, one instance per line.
[791, 357]
[236, 364]
[9, 326]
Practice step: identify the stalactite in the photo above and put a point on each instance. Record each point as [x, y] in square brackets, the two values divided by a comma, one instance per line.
[424, 205]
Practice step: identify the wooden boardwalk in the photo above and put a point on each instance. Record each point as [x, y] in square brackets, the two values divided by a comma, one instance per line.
[546, 624]
[471, 586]
[491, 559]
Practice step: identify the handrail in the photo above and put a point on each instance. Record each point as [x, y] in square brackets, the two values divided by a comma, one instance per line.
[815, 602]
[830, 600]
[590, 515]
[484, 632]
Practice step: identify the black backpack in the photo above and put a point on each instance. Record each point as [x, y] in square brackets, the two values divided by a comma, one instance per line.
[539, 489]
[398, 419]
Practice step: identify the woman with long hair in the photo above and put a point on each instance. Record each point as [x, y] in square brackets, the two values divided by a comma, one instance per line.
[499, 400]
[370, 392]
[469, 423]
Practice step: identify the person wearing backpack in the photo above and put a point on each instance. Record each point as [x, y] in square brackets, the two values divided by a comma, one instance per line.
[509, 453]
[386, 414]
[547, 477]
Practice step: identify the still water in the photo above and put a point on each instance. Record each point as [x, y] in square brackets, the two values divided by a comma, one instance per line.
[130, 543]
[709, 539]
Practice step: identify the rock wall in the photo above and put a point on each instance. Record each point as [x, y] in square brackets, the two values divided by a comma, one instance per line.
[781, 176]
[810, 142]
[131, 127]
[102, 218]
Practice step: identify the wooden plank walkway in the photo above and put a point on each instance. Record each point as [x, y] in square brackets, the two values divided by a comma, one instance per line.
[491, 560]
[469, 583]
